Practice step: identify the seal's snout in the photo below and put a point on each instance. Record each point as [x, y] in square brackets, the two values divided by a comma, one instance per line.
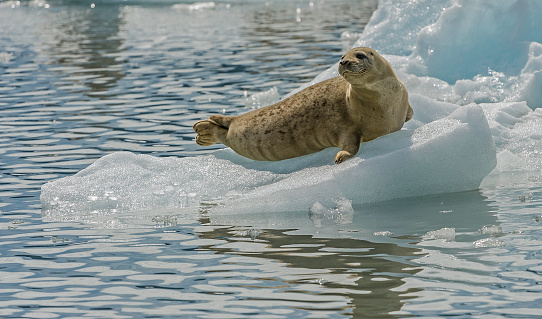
[344, 62]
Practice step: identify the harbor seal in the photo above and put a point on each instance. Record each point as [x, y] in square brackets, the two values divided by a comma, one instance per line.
[366, 101]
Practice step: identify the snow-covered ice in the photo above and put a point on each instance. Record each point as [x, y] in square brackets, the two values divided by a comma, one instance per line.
[474, 74]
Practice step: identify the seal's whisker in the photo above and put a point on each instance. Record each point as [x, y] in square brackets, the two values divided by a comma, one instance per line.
[368, 64]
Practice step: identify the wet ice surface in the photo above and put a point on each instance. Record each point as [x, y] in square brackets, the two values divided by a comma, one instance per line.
[151, 231]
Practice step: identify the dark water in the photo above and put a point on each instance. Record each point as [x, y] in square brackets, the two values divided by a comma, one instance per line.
[78, 82]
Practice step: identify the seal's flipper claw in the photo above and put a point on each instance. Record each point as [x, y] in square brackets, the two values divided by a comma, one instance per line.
[342, 156]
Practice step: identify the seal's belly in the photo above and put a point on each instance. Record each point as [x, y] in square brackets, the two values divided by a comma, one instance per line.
[276, 141]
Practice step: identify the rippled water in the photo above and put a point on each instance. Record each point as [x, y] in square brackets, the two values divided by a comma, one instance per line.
[79, 82]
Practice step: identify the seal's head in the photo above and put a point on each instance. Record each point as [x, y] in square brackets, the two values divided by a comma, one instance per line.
[363, 65]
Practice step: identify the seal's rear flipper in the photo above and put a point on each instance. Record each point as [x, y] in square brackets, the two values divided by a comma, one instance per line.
[221, 120]
[209, 132]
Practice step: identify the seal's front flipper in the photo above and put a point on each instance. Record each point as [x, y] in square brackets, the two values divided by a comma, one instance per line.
[343, 156]
[209, 132]
[410, 112]
[350, 147]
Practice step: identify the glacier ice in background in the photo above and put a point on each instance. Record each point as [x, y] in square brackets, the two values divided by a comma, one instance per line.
[487, 52]
[474, 74]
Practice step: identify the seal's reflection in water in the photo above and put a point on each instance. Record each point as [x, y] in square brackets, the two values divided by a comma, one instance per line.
[377, 265]
[86, 46]
[373, 277]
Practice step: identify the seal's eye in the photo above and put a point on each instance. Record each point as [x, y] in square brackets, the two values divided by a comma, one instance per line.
[361, 55]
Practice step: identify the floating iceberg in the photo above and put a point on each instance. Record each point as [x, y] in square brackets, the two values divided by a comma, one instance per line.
[474, 73]
[450, 154]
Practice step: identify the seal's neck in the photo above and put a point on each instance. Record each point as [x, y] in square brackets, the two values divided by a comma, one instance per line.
[361, 93]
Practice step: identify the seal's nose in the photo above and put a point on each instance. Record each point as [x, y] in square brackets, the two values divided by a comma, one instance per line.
[344, 62]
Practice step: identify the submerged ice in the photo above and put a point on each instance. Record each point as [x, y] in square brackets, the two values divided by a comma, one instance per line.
[474, 74]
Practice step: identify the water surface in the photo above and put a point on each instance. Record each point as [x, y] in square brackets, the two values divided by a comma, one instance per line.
[80, 82]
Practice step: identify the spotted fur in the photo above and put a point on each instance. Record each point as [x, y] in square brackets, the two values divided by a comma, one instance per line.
[365, 102]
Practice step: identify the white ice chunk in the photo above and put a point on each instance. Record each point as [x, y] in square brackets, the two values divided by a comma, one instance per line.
[531, 78]
[517, 132]
[447, 155]
[195, 6]
[394, 26]
[447, 234]
[383, 233]
[318, 208]
[341, 214]
[261, 99]
[491, 230]
[488, 242]
[472, 36]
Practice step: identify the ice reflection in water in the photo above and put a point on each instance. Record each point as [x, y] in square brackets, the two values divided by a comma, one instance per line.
[283, 264]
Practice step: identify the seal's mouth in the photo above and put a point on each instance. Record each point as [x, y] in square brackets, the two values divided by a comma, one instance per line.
[353, 69]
